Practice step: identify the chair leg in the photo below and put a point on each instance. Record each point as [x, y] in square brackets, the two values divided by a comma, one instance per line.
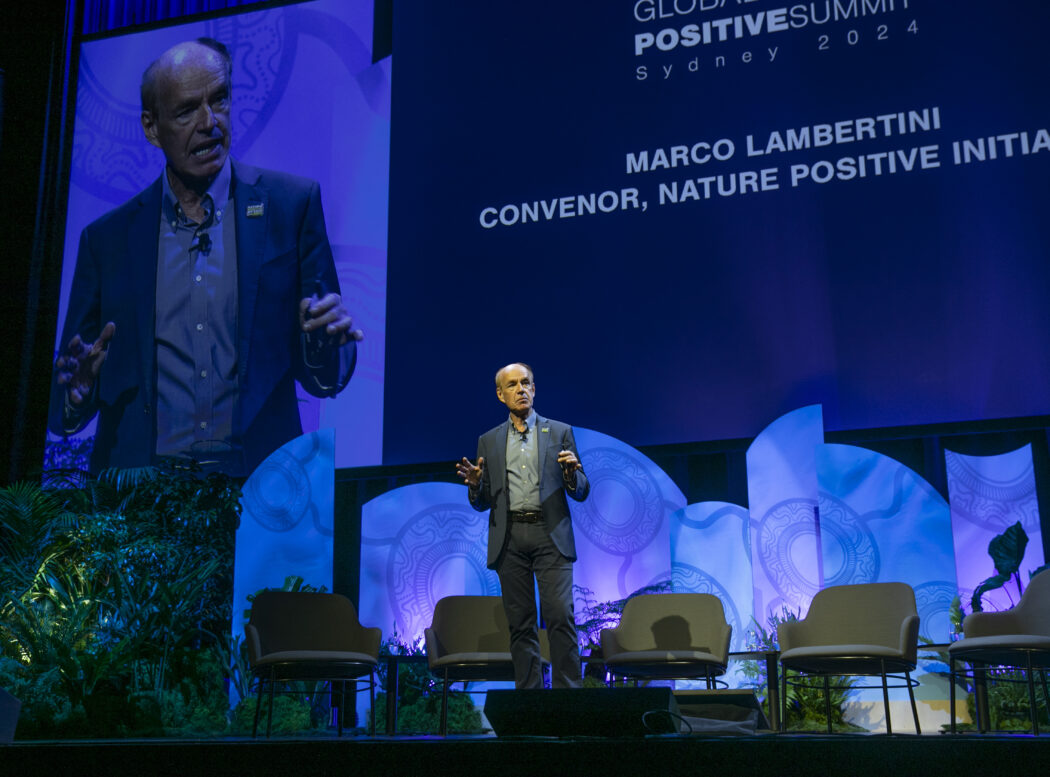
[372, 698]
[783, 698]
[827, 700]
[980, 697]
[1031, 695]
[444, 706]
[342, 706]
[911, 696]
[269, 718]
[258, 705]
[886, 697]
[1046, 691]
[951, 694]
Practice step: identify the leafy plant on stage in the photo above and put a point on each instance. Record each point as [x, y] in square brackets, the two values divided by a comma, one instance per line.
[1008, 703]
[113, 592]
[291, 715]
[419, 693]
[1007, 552]
[804, 706]
[761, 638]
[593, 616]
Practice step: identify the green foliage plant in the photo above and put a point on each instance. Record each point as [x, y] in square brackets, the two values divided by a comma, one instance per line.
[1007, 552]
[419, 694]
[1009, 708]
[113, 591]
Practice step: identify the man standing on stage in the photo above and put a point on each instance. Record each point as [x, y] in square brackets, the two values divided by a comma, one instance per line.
[524, 469]
[197, 305]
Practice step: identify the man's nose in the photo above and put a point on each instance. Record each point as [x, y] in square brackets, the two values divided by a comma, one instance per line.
[207, 119]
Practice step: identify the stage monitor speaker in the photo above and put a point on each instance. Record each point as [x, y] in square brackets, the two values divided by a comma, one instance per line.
[584, 712]
[9, 708]
[733, 705]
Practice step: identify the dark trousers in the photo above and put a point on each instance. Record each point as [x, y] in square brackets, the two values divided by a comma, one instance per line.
[530, 555]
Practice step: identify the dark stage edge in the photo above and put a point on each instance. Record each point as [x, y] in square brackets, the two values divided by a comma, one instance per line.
[764, 754]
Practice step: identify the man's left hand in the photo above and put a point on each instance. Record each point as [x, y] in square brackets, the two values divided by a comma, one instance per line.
[328, 312]
[569, 462]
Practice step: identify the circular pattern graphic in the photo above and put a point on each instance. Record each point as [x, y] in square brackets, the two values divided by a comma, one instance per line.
[992, 504]
[432, 553]
[1019, 487]
[278, 492]
[786, 536]
[933, 600]
[625, 509]
[849, 550]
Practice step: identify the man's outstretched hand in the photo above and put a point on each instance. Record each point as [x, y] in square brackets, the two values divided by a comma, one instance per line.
[471, 473]
[78, 366]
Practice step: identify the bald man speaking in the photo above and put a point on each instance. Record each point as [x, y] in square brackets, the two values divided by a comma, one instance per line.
[525, 468]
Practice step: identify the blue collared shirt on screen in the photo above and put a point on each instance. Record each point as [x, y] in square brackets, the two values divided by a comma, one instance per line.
[196, 325]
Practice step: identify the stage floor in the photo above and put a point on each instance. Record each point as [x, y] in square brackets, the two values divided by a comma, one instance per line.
[770, 754]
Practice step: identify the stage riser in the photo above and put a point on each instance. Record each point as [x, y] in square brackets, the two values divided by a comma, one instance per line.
[784, 756]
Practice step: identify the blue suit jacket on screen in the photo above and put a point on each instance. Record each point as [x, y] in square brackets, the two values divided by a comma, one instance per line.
[554, 436]
[282, 249]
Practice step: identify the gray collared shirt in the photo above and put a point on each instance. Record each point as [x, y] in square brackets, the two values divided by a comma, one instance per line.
[523, 466]
[196, 325]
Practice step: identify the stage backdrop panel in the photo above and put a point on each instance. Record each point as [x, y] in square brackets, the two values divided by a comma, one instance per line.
[881, 522]
[622, 529]
[782, 499]
[988, 494]
[418, 544]
[711, 554]
[287, 525]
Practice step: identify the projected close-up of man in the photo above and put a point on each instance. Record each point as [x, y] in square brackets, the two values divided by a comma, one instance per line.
[196, 354]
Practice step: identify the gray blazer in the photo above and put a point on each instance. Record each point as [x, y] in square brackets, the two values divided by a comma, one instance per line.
[491, 494]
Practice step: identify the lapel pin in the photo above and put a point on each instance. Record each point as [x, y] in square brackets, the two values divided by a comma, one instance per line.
[545, 429]
[254, 210]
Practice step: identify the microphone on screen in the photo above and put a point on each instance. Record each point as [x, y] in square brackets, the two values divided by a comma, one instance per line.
[201, 242]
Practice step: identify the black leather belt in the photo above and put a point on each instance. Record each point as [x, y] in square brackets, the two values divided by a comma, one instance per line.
[521, 516]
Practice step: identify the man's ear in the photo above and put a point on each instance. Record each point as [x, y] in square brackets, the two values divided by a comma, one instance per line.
[149, 127]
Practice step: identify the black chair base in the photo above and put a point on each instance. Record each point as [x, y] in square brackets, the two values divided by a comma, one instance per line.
[979, 671]
[901, 680]
[272, 681]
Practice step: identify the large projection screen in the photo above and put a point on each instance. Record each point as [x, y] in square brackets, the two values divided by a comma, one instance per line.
[693, 216]
[689, 216]
[307, 99]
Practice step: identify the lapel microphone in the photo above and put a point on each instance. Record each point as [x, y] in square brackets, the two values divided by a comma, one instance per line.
[202, 242]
